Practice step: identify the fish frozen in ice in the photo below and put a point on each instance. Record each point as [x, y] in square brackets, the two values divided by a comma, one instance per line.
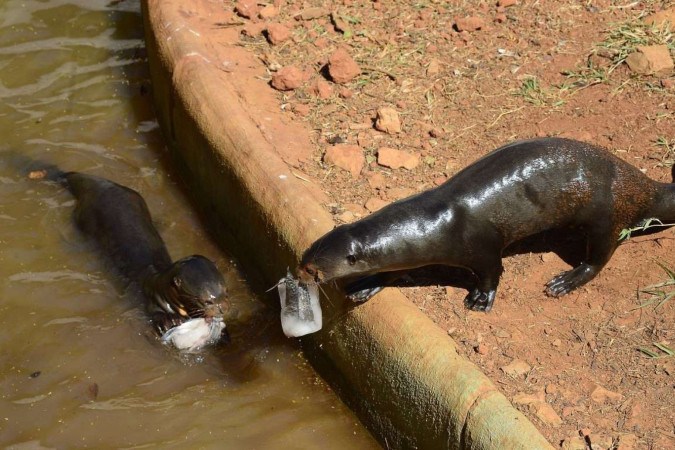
[300, 308]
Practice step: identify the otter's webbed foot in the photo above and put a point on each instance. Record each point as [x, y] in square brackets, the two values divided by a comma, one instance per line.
[478, 300]
[568, 281]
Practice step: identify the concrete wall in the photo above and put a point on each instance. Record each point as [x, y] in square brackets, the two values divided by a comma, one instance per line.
[390, 363]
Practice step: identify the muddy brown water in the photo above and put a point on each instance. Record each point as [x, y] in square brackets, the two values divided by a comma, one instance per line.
[79, 366]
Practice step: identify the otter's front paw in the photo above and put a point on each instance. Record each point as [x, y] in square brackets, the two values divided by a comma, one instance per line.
[364, 294]
[480, 301]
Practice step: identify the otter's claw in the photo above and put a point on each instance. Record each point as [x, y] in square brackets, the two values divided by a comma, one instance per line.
[480, 301]
[568, 281]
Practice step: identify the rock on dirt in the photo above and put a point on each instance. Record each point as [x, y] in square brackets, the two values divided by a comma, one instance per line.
[627, 441]
[288, 78]
[574, 443]
[395, 159]
[277, 33]
[547, 414]
[312, 13]
[506, 3]
[650, 59]
[601, 395]
[660, 18]
[516, 368]
[247, 8]
[473, 23]
[268, 12]
[346, 156]
[388, 120]
[322, 89]
[374, 203]
[342, 67]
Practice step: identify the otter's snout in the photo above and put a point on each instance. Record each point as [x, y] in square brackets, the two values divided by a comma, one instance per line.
[308, 273]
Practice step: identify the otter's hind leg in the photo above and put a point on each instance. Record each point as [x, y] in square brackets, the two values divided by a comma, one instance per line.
[600, 248]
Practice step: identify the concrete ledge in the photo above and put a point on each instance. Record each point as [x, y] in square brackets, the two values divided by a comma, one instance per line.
[390, 363]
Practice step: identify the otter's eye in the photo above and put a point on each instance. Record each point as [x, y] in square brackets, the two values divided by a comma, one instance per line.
[351, 260]
[310, 271]
[177, 281]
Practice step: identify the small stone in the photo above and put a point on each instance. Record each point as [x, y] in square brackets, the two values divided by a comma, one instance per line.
[253, 29]
[346, 156]
[342, 67]
[321, 43]
[322, 89]
[600, 395]
[268, 12]
[667, 83]
[627, 441]
[516, 368]
[667, 16]
[395, 159]
[440, 180]
[433, 68]
[567, 411]
[346, 217]
[547, 414]
[398, 193]
[552, 388]
[500, 18]
[633, 416]
[600, 441]
[302, 109]
[388, 120]
[506, 3]
[312, 13]
[527, 399]
[481, 349]
[376, 180]
[247, 8]
[277, 33]
[346, 93]
[288, 78]
[374, 203]
[354, 208]
[556, 343]
[650, 59]
[469, 23]
[574, 443]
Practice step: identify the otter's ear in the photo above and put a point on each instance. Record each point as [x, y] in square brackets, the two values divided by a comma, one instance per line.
[177, 281]
[351, 260]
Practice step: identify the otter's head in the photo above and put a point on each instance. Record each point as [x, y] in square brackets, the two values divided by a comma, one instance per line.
[337, 254]
[193, 287]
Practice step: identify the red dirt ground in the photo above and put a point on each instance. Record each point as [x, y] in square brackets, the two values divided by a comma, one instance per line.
[533, 69]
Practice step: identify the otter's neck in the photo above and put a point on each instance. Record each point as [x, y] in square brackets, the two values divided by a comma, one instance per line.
[664, 203]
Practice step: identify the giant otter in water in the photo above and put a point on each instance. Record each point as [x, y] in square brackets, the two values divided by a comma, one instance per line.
[516, 191]
[118, 220]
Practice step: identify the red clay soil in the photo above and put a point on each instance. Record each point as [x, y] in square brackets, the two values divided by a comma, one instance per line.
[518, 70]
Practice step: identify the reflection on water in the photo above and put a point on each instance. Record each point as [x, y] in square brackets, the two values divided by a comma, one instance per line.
[79, 367]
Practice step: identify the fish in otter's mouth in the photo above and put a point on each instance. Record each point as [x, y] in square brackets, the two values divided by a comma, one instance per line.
[194, 334]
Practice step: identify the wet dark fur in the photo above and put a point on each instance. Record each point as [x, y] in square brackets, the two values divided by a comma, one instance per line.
[516, 191]
[118, 220]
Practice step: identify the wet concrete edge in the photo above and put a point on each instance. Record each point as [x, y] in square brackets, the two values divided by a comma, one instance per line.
[391, 364]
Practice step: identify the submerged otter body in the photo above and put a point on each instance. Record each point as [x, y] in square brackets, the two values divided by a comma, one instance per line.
[118, 220]
[514, 192]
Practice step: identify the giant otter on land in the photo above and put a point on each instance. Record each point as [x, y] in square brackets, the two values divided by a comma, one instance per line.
[516, 191]
[118, 220]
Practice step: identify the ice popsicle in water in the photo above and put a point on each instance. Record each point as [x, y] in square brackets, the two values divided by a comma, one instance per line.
[300, 308]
